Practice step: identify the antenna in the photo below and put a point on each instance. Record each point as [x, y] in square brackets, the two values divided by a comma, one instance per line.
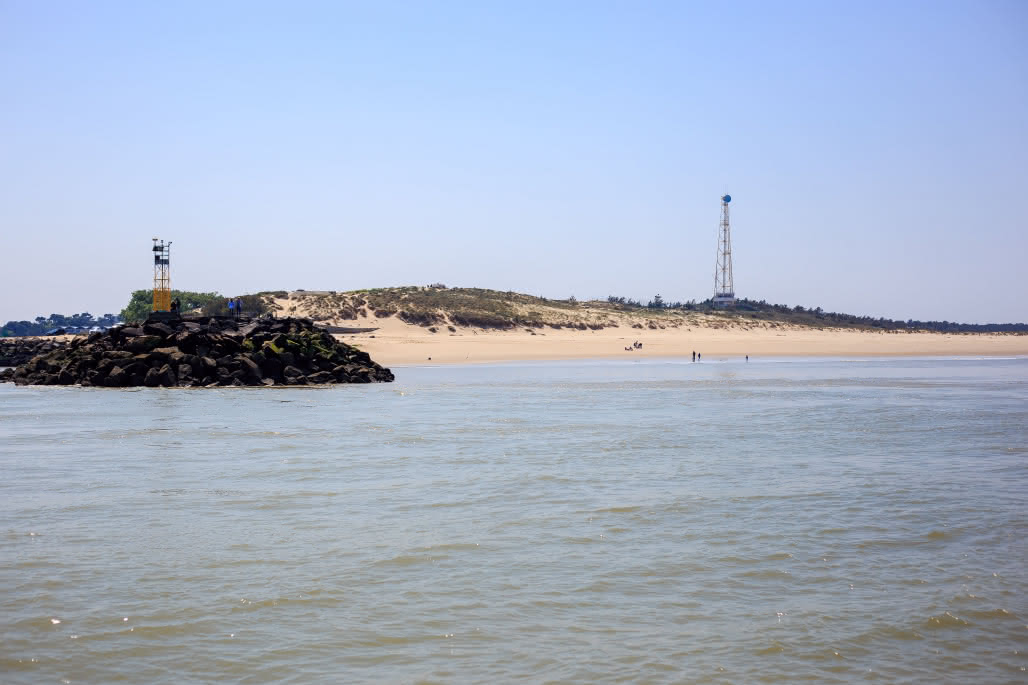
[724, 288]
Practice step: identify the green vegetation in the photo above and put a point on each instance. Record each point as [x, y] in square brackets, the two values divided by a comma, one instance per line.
[209, 304]
[436, 305]
[141, 302]
[761, 310]
[439, 305]
[253, 305]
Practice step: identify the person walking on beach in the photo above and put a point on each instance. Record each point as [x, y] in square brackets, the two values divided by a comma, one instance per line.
[699, 357]
[694, 355]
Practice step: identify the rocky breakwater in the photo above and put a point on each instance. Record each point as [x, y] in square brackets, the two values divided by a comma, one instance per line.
[203, 353]
[17, 351]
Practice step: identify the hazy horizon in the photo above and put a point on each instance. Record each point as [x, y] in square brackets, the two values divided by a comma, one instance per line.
[874, 152]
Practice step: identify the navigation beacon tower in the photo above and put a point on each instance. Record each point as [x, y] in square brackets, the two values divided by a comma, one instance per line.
[724, 289]
[161, 276]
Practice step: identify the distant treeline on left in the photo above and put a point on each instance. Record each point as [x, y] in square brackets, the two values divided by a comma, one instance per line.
[45, 324]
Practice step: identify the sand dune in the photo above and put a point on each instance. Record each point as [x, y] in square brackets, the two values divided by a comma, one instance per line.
[715, 337]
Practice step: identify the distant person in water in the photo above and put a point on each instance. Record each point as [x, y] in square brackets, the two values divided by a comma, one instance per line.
[699, 357]
[694, 355]
[747, 357]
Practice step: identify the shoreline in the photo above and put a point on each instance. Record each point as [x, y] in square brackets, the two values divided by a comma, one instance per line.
[718, 360]
[395, 343]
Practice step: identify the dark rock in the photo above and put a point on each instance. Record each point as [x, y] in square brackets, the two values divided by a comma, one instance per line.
[142, 343]
[163, 352]
[166, 376]
[158, 328]
[250, 367]
[136, 368]
[186, 340]
[193, 353]
[272, 367]
[116, 378]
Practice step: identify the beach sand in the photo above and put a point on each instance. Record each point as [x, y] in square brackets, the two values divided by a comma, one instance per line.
[395, 342]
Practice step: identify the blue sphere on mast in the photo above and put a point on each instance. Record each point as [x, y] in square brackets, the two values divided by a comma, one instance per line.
[726, 198]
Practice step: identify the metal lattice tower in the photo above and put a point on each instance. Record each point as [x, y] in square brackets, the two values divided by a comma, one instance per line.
[161, 276]
[724, 288]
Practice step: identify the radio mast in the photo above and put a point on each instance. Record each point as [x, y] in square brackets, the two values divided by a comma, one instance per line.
[724, 288]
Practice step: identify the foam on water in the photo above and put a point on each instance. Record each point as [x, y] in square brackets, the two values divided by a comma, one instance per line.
[825, 520]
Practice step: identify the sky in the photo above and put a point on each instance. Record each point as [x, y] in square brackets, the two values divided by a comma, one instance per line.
[876, 152]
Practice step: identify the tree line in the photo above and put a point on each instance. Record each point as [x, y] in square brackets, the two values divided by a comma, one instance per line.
[816, 316]
[208, 304]
[42, 324]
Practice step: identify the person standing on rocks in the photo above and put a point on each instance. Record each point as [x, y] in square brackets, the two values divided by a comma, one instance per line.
[239, 307]
[231, 307]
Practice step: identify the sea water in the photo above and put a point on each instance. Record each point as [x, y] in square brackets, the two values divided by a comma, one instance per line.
[652, 521]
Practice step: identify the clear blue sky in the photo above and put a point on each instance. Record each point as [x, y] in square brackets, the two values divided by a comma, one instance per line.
[877, 152]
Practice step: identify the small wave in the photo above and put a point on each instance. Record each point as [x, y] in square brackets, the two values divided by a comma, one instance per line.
[887, 633]
[946, 620]
[327, 602]
[985, 614]
[452, 547]
[775, 647]
[766, 574]
[939, 535]
[405, 560]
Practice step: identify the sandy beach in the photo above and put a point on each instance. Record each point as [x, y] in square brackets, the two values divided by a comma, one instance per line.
[395, 342]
